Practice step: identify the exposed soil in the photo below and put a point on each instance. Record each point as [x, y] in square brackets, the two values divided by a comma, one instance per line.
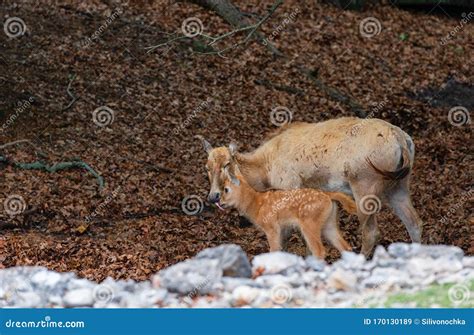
[138, 226]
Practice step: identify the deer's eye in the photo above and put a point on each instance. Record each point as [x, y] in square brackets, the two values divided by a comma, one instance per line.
[226, 189]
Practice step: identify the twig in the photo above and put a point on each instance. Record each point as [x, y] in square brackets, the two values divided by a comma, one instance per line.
[9, 144]
[38, 165]
[68, 90]
[252, 28]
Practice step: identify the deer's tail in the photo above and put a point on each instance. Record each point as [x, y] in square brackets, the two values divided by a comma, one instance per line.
[406, 154]
[347, 203]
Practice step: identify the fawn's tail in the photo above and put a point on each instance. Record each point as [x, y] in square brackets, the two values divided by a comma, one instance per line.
[348, 204]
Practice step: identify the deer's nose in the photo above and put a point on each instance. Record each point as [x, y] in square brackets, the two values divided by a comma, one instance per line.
[214, 197]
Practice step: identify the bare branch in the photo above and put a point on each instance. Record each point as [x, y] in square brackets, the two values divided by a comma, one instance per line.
[236, 19]
[73, 98]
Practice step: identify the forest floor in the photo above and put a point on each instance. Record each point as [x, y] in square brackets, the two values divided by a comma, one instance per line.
[148, 155]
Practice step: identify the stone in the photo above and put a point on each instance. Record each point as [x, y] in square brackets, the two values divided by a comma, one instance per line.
[230, 284]
[406, 250]
[468, 262]
[351, 260]
[277, 262]
[29, 300]
[80, 297]
[281, 280]
[195, 276]
[232, 260]
[272, 280]
[315, 264]
[388, 277]
[399, 250]
[79, 283]
[244, 295]
[55, 300]
[342, 280]
[380, 253]
[46, 278]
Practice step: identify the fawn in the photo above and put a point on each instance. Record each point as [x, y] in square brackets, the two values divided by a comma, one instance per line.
[313, 211]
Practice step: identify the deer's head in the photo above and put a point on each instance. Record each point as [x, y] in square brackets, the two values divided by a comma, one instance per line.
[232, 192]
[220, 162]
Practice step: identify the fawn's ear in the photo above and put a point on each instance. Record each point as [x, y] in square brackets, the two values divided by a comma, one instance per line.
[232, 148]
[207, 146]
[233, 179]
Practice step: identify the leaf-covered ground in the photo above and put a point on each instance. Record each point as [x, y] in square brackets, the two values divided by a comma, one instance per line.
[148, 155]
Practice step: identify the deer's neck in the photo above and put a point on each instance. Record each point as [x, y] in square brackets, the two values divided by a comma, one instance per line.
[254, 168]
[249, 202]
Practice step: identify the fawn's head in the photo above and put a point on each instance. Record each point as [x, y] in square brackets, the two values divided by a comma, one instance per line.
[220, 160]
[232, 190]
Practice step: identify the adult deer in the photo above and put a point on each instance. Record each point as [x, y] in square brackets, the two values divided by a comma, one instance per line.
[369, 159]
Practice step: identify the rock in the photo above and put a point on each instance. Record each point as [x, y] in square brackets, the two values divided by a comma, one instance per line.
[311, 278]
[388, 277]
[79, 283]
[402, 250]
[315, 264]
[232, 260]
[272, 280]
[281, 280]
[244, 295]
[144, 299]
[230, 284]
[277, 262]
[406, 250]
[342, 280]
[55, 300]
[29, 300]
[81, 297]
[46, 278]
[468, 262]
[418, 266]
[350, 260]
[380, 253]
[195, 276]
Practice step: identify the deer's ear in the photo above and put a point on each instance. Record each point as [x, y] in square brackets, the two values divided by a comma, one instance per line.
[233, 148]
[207, 146]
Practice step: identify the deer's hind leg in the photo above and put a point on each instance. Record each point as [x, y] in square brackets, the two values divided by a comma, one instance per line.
[400, 201]
[368, 200]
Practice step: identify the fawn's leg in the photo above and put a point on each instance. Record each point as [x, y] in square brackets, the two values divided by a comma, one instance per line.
[311, 230]
[333, 234]
[274, 238]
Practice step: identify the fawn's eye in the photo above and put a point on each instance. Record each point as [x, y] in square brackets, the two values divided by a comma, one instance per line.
[226, 190]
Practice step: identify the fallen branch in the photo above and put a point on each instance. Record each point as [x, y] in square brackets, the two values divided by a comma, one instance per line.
[56, 167]
[9, 144]
[334, 93]
[68, 91]
[232, 15]
[39, 165]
